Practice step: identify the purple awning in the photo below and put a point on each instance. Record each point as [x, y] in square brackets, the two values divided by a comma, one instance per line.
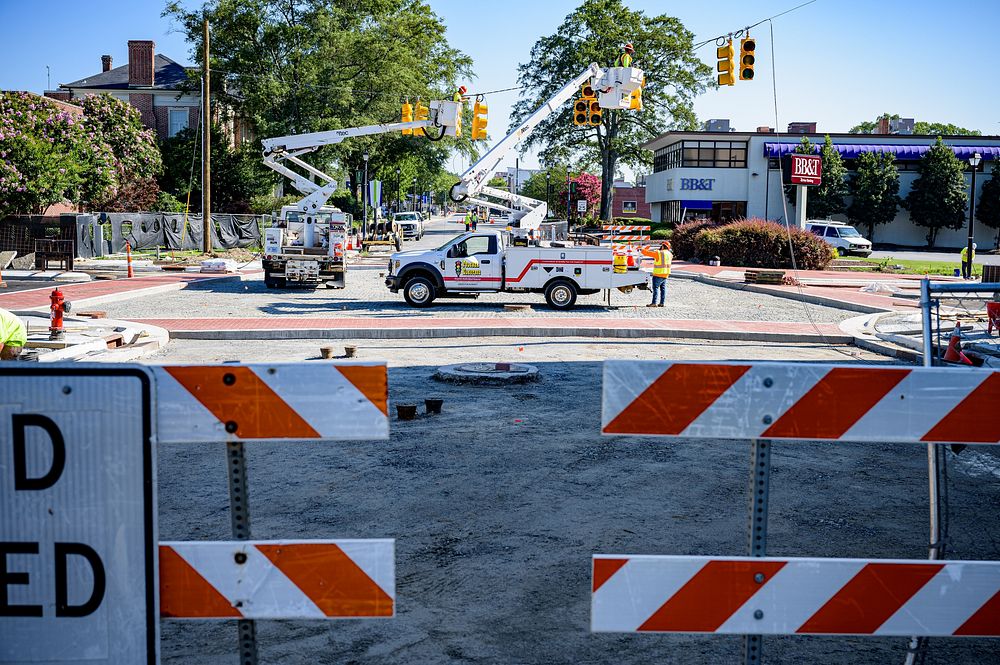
[912, 152]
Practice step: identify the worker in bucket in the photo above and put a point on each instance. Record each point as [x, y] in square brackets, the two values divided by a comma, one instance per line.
[661, 270]
[13, 335]
[967, 262]
[459, 94]
[626, 56]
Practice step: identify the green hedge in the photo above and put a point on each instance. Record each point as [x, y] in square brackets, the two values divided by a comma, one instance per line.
[683, 237]
[758, 243]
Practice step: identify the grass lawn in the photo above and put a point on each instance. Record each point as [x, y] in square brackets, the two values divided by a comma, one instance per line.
[911, 266]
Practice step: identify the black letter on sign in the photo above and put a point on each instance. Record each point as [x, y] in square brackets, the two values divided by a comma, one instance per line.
[21, 479]
[8, 578]
[63, 608]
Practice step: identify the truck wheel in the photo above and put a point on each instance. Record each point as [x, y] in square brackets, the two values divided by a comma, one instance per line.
[399, 243]
[561, 294]
[419, 292]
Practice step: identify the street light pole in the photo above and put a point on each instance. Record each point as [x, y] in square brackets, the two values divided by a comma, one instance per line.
[974, 161]
[398, 184]
[364, 198]
[548, 193]
[414, 204]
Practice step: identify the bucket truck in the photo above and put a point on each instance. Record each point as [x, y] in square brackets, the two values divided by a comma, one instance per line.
[489, 261]
[308, 243]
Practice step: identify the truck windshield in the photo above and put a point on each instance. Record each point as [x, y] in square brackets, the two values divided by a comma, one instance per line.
[849, 232]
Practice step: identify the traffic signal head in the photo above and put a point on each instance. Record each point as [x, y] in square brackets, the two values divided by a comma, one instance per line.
[594, 117]
[587, 91]
[581, 108]
[479, 112]
[421, 112]
[748, 46]
[407, 116]
[726, 65]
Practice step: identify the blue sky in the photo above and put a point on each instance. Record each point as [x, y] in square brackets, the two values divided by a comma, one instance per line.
[837, 62]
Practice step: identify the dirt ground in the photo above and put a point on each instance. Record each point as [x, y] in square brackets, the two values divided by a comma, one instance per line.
[498, 503]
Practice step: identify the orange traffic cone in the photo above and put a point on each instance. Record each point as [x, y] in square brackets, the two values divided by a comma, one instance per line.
[350, 242]
[954, 352]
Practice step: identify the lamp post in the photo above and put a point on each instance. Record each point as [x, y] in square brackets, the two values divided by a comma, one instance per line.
[414, 206]
[974, 162]
[364, 197]
[548, 194]
[398, 183]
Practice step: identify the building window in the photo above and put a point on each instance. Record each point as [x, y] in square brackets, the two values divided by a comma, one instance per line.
[701, 154]
[177, 121]
[629, 207]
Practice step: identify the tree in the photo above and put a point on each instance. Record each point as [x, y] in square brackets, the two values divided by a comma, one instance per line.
[43, 154]
[595, 32]
[124, 157]
[826, 199]
[295, 66]
[988, 204]
[937, 198]
[537, 187]
[238, 174]
[875, 187]
[871, 126]
[588, 188]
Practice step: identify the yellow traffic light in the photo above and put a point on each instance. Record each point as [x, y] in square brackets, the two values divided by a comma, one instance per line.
[581, 108]
[587, 91]
[421, 112]
[748, 57]
[407, 116]
[635, 100]
[479, 112]
[726, 65]
[595, 113]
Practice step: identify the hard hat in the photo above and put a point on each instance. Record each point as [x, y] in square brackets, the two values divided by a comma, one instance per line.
[461, 89]
[629, 47]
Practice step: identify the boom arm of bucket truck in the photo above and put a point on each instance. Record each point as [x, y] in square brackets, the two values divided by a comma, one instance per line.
[614, 84]
[281, 151]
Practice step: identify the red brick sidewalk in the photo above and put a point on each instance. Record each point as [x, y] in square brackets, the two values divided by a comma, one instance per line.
[39, 297]
[690, 327]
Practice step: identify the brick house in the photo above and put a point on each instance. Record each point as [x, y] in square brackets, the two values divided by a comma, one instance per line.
[155, 85]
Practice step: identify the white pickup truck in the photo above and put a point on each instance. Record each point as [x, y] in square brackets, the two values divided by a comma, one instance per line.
[486, 262]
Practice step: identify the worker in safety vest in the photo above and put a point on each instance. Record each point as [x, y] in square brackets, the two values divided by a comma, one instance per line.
[661, 270]
[13, 335]
[626, 56]
[966, 262]
[468, 220]
[459, 94]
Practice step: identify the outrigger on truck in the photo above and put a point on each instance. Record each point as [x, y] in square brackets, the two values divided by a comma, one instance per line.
[517, 260]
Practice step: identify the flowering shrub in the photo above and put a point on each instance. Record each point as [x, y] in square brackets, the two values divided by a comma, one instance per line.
[42, 154]
[47, 155]
[759, 243]
[588, 187]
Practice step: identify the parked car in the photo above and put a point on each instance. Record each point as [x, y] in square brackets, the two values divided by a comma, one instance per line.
[844, 238]
[411, 223]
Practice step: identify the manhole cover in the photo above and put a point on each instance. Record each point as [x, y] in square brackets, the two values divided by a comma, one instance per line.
[487, 373]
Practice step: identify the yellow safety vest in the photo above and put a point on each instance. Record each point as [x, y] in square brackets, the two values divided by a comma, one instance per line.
[965, 254]
[624, 60]
[457, 97]
[12, 330]
[661, 263]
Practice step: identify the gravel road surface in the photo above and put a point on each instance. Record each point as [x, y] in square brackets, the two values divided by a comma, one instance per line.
[498, 503]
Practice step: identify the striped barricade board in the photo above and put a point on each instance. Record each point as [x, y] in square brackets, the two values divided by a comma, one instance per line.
[624, 229]
[776, 596]
[292, 401]
[801, 401]
[295, 579]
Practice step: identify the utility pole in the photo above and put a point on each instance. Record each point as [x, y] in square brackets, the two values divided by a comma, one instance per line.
[206, 153]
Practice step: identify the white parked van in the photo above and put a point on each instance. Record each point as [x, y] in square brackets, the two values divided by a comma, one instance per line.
[844, 238]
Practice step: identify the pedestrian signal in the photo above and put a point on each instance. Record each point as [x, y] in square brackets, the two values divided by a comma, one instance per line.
[587, 91]
[421, 112]
[748, 47]
[479, 112]
[580, 112]
[594, 119]
[407, 116]
[726, 65]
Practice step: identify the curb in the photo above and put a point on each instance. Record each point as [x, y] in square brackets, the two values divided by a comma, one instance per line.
[134, 293]
[428, 333]
[856, 327]
[791, 295]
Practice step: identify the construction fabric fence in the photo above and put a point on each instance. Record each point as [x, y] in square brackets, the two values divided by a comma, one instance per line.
[103, 233]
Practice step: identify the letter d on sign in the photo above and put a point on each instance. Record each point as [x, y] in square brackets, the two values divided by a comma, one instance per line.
[19, 423]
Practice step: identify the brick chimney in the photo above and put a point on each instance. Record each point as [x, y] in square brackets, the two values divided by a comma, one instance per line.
[140, 63]
[105, 63]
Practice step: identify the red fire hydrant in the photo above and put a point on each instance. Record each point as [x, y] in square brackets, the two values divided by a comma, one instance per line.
[58, 307]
